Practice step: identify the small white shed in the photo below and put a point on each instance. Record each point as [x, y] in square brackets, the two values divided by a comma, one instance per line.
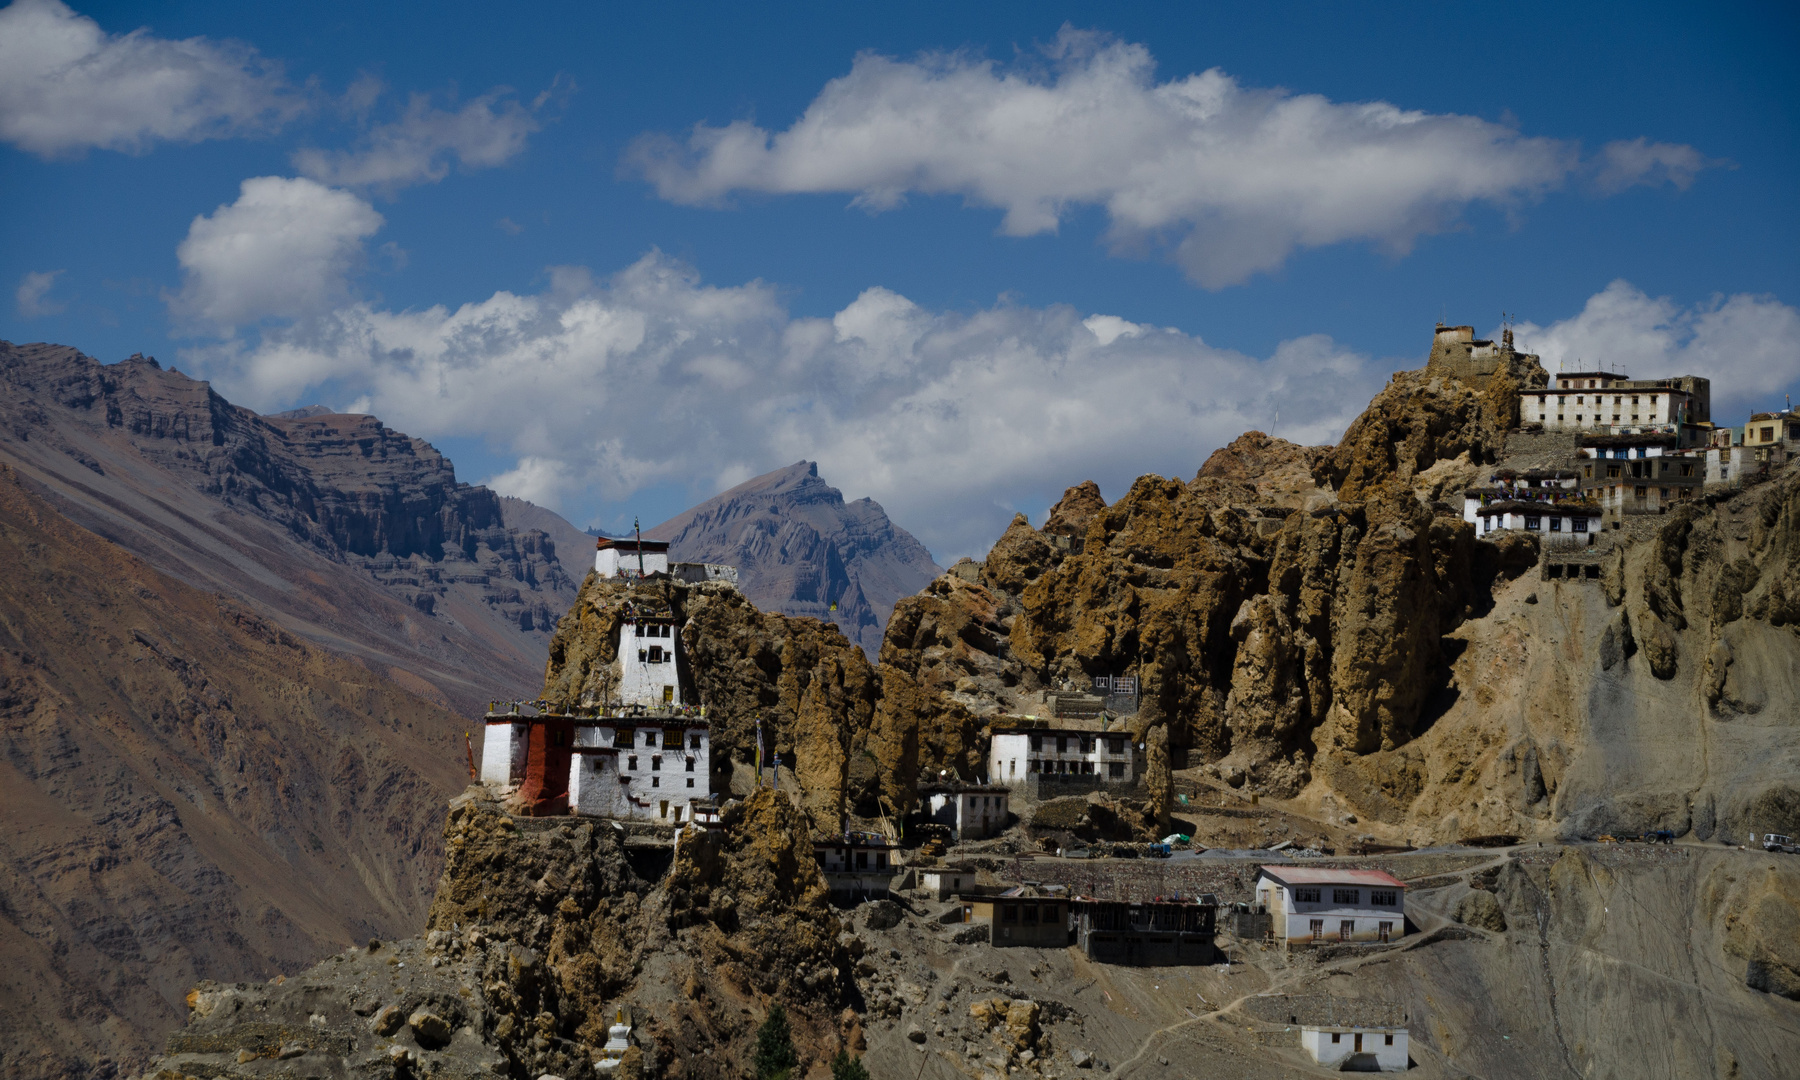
[1356, 1049]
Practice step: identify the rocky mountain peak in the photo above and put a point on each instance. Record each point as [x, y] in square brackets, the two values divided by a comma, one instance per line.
[800, 549]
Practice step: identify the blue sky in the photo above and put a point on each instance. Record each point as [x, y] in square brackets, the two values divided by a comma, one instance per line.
[614, 258]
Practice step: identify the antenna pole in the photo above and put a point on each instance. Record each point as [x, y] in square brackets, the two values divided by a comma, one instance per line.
[639, 529]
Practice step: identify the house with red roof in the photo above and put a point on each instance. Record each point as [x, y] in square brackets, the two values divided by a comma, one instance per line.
[1316, 906]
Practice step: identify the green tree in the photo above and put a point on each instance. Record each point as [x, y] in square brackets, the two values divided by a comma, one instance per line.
[775, 1057]
[845, 1067]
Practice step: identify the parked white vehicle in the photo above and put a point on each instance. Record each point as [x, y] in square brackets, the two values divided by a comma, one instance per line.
[1778, 842]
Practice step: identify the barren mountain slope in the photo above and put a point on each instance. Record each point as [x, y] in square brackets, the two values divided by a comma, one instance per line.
[800, 548]
[346, 532]
[186, 791]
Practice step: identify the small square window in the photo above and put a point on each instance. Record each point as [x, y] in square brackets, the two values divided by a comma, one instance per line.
[690, 781]
[1390, 1040]
[656, 781]
[631, 763]
[1336, 1037]
[694, 741]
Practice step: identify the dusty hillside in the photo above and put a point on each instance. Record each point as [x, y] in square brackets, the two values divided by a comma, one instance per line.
[347, 533]
[189, 792]
[800, 549]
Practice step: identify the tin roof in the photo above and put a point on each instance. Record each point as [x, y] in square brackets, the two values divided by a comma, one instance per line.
[1288, 875]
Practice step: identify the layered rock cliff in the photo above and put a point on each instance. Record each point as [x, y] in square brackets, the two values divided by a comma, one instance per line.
[800, 549]
[346, 532]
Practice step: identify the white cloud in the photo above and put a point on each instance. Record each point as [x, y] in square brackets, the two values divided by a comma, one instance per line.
[419, 147]
[1624, 164]
[605, 388]
[66, 85]
[282, 250]
[1748, 345]
[1229, 179]
[32, 294]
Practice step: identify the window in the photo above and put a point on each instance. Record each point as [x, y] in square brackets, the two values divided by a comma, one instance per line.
[1579, 524]
[690, 781]
[656, 764]
[1560, 400]
[1062, 744]
[631, 763]
[690, 764]
[1612, 471]
[1578, 418]
[1532, 521]
[1346, 929]
[1115, 745]
[656, 781]
[694, 741]
[1556, 524]
[1390, 1040]
[1641, 491]
[881, 860]
[1306, 896]
[1634, 399]
[1344, 896]
[1579, 399]
[862, 860]
[1087, 768]
[1116, 770]
[1384, 897]
[1031, 913]
[1337, 1037]
[1768, 434]
[1009, 913]
[649, 738]
[1087, 744]
[1031, 766]
[1037, 743]
[1318, 934]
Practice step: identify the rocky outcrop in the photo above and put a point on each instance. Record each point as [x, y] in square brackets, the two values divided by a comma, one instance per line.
[800, 549]
[194, 791]
[542, 935]
[813, 691]
[1276, 626]
[346, 532]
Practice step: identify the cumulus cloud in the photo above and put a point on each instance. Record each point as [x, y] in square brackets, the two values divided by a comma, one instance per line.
[32, 295]
[420, 146]
[284, 249]
[1748, 345]
[66, 85]
[601, 388]
[1229, 180]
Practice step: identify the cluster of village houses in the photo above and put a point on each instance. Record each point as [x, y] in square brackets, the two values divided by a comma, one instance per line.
[642, 755]
[1640, 446]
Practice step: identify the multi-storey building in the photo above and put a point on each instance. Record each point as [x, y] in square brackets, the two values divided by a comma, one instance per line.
[1607, 402]
[1024, 752]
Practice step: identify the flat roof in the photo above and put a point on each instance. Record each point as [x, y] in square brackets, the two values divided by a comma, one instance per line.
[1512, 506]
[626, 543]
[960, 789]
[1289, 875]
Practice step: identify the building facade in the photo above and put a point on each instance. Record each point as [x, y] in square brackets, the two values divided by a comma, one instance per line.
[970, 811]
[1149, 934]
[1020, 753]
[1023, 915]
[857, 866]
[1321, 907]
[1604, 401]
[649, 663]
[626, 557]
[1356, 1049]
[648, 767]
[1576, 521]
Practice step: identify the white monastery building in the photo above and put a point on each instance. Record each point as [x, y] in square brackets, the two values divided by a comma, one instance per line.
[627, 557]
[1318, 907]
[1022, 752]
[1607, 401]
[649, 674]
[972, 811]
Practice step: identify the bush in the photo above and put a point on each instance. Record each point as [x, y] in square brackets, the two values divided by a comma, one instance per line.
[775, 1057]
[845, 1067]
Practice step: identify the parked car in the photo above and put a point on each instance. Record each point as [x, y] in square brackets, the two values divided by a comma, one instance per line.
[1778, 842]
